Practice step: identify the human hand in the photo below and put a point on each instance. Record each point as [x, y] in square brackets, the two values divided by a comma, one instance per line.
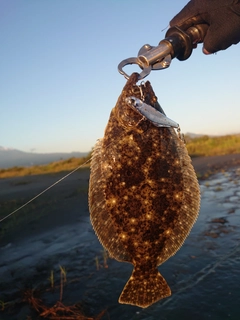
[222, 16]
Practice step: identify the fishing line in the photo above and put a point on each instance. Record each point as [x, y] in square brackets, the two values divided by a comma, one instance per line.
[42, 192]
[48, 188]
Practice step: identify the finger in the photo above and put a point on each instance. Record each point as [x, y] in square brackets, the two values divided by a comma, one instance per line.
[190, 11]
[205, 51]
[222, 34]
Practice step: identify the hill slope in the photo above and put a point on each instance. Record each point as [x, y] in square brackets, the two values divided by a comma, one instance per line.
[16, 158]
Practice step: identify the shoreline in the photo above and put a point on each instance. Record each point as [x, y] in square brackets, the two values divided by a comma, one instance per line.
[206, 166]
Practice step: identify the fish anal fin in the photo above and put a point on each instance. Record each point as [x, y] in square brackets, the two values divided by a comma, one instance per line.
[144, 288]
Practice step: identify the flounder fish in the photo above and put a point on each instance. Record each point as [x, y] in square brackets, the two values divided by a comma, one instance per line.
[143, 194]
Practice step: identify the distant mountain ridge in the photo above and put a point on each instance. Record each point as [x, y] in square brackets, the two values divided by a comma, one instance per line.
[193, 135]
[16, 158]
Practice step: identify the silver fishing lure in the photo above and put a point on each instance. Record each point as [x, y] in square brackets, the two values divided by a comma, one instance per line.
[156, 117]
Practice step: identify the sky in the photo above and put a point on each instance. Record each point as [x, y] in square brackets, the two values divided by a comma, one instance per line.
[59, 78]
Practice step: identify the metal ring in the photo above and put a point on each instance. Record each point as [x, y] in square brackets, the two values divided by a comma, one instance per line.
[145, 71]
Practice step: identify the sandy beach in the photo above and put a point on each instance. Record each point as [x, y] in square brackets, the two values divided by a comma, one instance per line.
[52, 236]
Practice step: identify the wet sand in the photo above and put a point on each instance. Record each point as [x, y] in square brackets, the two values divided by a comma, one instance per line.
[55, 231]
[205, 166]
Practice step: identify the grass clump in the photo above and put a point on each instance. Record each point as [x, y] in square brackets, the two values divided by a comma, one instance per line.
[37, 298]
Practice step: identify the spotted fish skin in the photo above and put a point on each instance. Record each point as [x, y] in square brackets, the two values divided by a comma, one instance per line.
[143, 195]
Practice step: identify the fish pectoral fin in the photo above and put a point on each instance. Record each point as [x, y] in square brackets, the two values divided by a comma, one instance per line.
[144, 287]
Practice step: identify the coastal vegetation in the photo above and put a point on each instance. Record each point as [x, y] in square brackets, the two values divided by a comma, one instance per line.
[213, 146]
[53, 167]
[199, 146]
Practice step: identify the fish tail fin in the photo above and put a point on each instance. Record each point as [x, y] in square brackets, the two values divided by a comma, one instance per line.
[144, 288]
